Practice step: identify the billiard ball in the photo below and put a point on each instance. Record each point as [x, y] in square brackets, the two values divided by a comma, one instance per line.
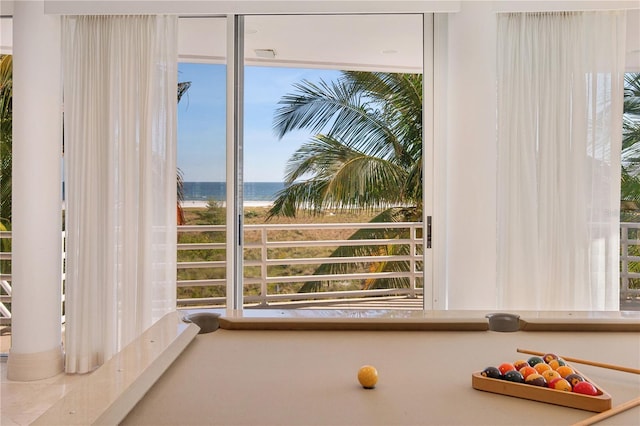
[541, 367]
[550, 375]
[585, 388]
[520, 363]
[368, 376]
[574, 378]
[536, 380]
[526, 371]
[535, 360]
[491, 372]
[513, 376]
[506, 366]
[549, 357]
[560, 384]
[565, 370]
[555, 363]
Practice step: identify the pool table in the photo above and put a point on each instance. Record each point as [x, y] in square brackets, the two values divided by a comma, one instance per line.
[302, 370]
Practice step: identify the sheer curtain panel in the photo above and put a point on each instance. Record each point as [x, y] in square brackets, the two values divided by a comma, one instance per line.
[120, 95]
[560, 88]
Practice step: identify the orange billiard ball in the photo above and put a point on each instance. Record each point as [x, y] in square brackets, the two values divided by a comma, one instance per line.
[368, 376]
[560, 384]
[565, 370]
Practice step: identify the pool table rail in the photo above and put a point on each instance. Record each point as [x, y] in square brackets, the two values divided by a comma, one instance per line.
[378, 320]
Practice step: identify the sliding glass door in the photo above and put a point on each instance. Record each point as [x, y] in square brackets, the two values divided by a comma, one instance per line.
[202, 162]
[332, 141]
[309, 161]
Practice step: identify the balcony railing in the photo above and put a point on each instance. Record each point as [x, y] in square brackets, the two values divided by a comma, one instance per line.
[275, 271]
[5, 279]
[277, 266]
[629, 261]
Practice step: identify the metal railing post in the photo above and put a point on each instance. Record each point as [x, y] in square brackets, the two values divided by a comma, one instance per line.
[264, 291]
[5, 284]
[413, 232]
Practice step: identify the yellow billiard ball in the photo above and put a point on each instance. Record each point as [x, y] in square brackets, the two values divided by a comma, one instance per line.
[368, 376]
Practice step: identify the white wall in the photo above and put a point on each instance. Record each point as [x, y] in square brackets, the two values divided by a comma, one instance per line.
[471, 162]
[6, 35]
[471, 107]
[197, 7]
[633, 40]
[472, 141]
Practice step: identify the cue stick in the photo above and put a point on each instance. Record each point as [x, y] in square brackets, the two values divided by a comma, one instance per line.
[586, 362]
[608, 413]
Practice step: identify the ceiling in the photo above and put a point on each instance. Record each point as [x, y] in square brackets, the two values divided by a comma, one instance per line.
[360, 42]
[633, 41]
[391, 43]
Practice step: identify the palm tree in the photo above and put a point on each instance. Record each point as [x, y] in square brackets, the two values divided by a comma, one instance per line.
[369, 153]
[182, 89]
[6, 93]
[631, 117]
[366, 154]
[630, 184]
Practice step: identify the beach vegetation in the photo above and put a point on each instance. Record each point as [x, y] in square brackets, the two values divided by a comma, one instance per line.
[214, 214]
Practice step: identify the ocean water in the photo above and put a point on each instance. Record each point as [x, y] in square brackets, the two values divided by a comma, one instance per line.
[253, 191]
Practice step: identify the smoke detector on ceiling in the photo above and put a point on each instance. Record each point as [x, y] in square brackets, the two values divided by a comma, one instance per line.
[265, 53]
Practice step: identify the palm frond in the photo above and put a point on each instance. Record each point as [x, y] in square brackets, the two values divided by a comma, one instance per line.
[6, 87]
[630, 133]
[340, 109]
[305, 196]
[379, 183]
[630, 187]
[312, 106]
[400, 98]
[632, 85]
[6, 119]
[631, 105]
[180, 186]
[183, 87]
[320, 157]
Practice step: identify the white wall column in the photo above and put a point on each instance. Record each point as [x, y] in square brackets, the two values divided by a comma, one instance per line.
[36, 351]
[471, 152]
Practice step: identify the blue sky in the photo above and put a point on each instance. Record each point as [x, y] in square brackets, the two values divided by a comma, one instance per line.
[201, 121]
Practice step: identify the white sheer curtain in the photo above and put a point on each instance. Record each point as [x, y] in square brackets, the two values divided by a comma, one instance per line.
[560, 88]
[120, 95]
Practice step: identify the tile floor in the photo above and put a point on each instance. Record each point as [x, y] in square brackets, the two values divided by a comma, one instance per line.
[23, 402]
